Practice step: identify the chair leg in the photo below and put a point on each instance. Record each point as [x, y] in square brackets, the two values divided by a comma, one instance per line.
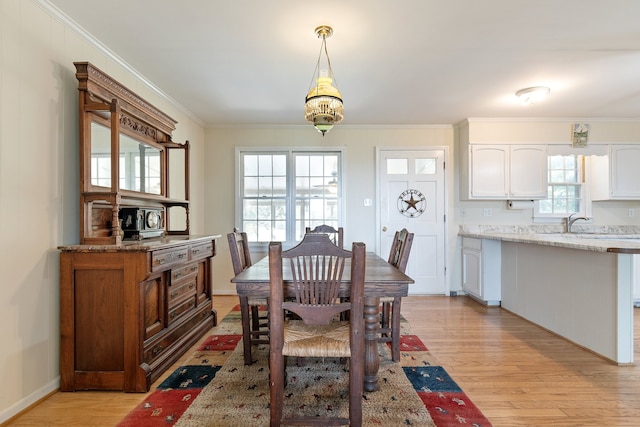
[246, 330]
[386, 314]
[255, 318]
[276, 388]
[395, 329]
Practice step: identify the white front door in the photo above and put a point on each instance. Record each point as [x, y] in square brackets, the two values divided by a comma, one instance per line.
[411, 185]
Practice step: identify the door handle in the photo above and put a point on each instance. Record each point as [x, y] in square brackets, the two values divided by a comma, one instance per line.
[384, 228]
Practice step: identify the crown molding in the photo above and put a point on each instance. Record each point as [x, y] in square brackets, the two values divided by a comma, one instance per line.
[57, 14]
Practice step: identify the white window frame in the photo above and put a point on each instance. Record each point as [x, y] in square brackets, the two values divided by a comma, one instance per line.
[586, 205]
[290, 196]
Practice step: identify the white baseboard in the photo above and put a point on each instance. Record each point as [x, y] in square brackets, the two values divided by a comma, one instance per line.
[29, 400]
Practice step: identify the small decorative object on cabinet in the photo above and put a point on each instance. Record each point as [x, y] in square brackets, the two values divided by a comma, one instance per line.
[135, 294]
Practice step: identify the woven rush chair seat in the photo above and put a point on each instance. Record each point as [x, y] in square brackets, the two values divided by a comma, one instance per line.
[256, 301]
[302, 340]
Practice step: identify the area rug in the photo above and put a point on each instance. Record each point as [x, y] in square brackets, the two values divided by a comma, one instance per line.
[215, 389]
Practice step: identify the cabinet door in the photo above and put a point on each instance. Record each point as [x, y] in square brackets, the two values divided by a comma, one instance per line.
[471, 271]
[153, 297]
[489, 171]
[204, 281]
[528, 172]
[625, 174]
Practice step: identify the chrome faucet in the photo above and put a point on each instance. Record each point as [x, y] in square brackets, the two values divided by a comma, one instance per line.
[568, 222]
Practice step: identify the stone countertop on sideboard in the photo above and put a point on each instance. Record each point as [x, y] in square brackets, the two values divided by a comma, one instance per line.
[616, 239]
[140, 245]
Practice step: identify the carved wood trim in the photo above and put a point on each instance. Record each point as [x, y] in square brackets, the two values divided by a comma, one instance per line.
[99, 84]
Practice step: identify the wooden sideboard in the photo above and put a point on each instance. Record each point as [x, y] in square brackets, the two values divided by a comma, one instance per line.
[128, 311]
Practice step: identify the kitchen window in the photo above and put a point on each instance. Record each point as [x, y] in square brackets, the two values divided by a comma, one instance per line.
[284, 191]
[566, 190]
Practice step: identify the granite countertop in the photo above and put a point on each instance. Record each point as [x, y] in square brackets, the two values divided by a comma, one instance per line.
[617, 239]
[140, 245]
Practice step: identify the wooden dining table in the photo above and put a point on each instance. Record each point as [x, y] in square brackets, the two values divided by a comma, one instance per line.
[381, 280]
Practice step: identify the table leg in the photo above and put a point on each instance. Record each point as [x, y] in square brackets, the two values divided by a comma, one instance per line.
[371, 356]
[246, 329]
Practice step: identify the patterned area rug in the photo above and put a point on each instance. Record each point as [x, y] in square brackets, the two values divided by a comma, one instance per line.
[215, 388]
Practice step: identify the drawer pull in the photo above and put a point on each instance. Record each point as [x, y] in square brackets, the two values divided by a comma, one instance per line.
[157, 350]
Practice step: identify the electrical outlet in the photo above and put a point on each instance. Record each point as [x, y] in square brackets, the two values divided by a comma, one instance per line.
[632, 212]
[486, 212]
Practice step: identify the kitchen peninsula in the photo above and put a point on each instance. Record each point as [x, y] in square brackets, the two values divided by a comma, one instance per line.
[577, 285]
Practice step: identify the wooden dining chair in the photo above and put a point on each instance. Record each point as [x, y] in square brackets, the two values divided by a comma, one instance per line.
[316, 266]
[390, 315]
[335, 234]
[255, 328]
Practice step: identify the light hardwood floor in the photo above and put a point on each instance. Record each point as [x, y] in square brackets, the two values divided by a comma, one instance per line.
[516, 373]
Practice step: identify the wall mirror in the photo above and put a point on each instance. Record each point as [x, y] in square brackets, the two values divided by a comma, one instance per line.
[139, 162]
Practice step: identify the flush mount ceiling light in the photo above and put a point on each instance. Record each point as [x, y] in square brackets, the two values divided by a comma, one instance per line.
[531, 95]
[323, 103]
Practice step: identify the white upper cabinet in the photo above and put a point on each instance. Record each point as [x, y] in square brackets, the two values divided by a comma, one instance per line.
[616, 176]
[489, 171]
[528, 172]
[502, 172]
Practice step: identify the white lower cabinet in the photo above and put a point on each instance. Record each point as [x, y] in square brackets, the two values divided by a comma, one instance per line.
[481, 264]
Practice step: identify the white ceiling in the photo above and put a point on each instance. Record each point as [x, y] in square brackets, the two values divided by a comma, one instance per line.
[408, 62]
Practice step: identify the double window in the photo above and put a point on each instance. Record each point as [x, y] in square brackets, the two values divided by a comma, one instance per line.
[284, 191]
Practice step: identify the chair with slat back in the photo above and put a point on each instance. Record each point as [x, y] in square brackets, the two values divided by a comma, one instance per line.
[390, 316]
[316, 266]
[255, 328]
[335, 234]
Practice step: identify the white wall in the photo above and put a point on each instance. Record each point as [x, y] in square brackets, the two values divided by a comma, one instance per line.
[39, 188]
[359, 147]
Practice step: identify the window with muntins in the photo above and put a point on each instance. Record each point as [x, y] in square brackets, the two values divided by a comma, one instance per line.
[283, 192]
[565, 191]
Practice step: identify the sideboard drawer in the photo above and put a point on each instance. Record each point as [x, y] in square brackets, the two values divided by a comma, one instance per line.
[181, 289]
[157, 346]
[182, 308]
[183, 272]
[160, 260]
[203, 250]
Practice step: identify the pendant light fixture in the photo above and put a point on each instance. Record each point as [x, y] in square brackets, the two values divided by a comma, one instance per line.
[323, 103]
